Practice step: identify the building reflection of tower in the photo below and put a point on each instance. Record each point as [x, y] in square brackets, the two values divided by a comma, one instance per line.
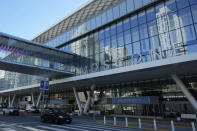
[164, 24]
[115, 56]
[87, 48]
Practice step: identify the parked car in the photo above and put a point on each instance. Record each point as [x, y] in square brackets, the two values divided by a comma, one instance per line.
[32, 109]
[55, 115]
[11, 111]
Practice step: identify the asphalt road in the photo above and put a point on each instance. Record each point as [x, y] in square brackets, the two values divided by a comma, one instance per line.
[32, 123]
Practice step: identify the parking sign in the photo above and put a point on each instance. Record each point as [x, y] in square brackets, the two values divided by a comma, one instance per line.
[44, 85]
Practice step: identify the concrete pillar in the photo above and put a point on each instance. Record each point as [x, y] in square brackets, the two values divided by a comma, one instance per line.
[185, 91]
[90, 96]
[13, 100]
[86, 95]
[1, 100]
[5, 101]
[32, 99]
[19, 99]
[78, 101]
[39, 97]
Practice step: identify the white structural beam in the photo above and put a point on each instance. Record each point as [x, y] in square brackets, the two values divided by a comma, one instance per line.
[78, 101]
[39, 97]
[13, 100]
[182, 86]
[32, 99]
[90, 96]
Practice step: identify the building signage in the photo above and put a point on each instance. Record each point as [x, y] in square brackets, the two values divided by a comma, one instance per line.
[135, 100]
[44, 85]
[135, 58]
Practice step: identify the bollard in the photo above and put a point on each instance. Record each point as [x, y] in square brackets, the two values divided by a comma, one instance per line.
[172, 125]
[155, 125]
[104, 120]
[126, 121]
[193, 127]
[114, 120]
[140, 125]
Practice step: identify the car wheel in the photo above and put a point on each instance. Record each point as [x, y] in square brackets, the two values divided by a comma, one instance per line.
[69, 122]
[43, 119]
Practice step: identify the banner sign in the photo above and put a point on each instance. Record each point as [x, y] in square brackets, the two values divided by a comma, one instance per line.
[58, 102]
[23, 102]
[135, 100]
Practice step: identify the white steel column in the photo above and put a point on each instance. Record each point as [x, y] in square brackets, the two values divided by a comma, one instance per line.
[87, 103]
[182, 86]
[78, 101]
[13, 100]
[32, 99]
[90, 96]
[9, 103]
[38, 101]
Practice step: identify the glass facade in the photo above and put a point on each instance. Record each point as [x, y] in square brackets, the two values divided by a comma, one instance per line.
[164, 30]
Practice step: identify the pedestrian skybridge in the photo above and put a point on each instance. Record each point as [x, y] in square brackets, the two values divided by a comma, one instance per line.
[23, 56]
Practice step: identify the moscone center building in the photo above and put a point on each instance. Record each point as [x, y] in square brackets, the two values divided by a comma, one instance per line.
[119, 57]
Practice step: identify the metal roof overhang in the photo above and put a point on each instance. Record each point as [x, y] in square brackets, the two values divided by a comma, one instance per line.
[180, 65]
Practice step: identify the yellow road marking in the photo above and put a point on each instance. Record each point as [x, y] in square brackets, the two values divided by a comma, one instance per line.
[151, 129]
[102, 122]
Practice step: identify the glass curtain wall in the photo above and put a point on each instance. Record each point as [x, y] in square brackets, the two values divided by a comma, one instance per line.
[164, 30]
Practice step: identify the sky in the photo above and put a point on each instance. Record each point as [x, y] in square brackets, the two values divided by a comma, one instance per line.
[28, 18]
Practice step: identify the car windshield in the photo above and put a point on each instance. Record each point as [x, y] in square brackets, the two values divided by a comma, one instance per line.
[12, 108]
[56, 110]
[34, 107]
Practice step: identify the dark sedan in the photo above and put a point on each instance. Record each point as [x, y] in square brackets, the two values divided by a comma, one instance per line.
[55, 115]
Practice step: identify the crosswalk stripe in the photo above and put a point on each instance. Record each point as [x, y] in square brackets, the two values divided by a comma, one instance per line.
[105, 127]
[66, 127]
[8, 129]
[51, 128]
[89, 127]
[30, 128]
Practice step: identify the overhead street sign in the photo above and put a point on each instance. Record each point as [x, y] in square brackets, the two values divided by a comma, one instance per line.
[44, 85]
